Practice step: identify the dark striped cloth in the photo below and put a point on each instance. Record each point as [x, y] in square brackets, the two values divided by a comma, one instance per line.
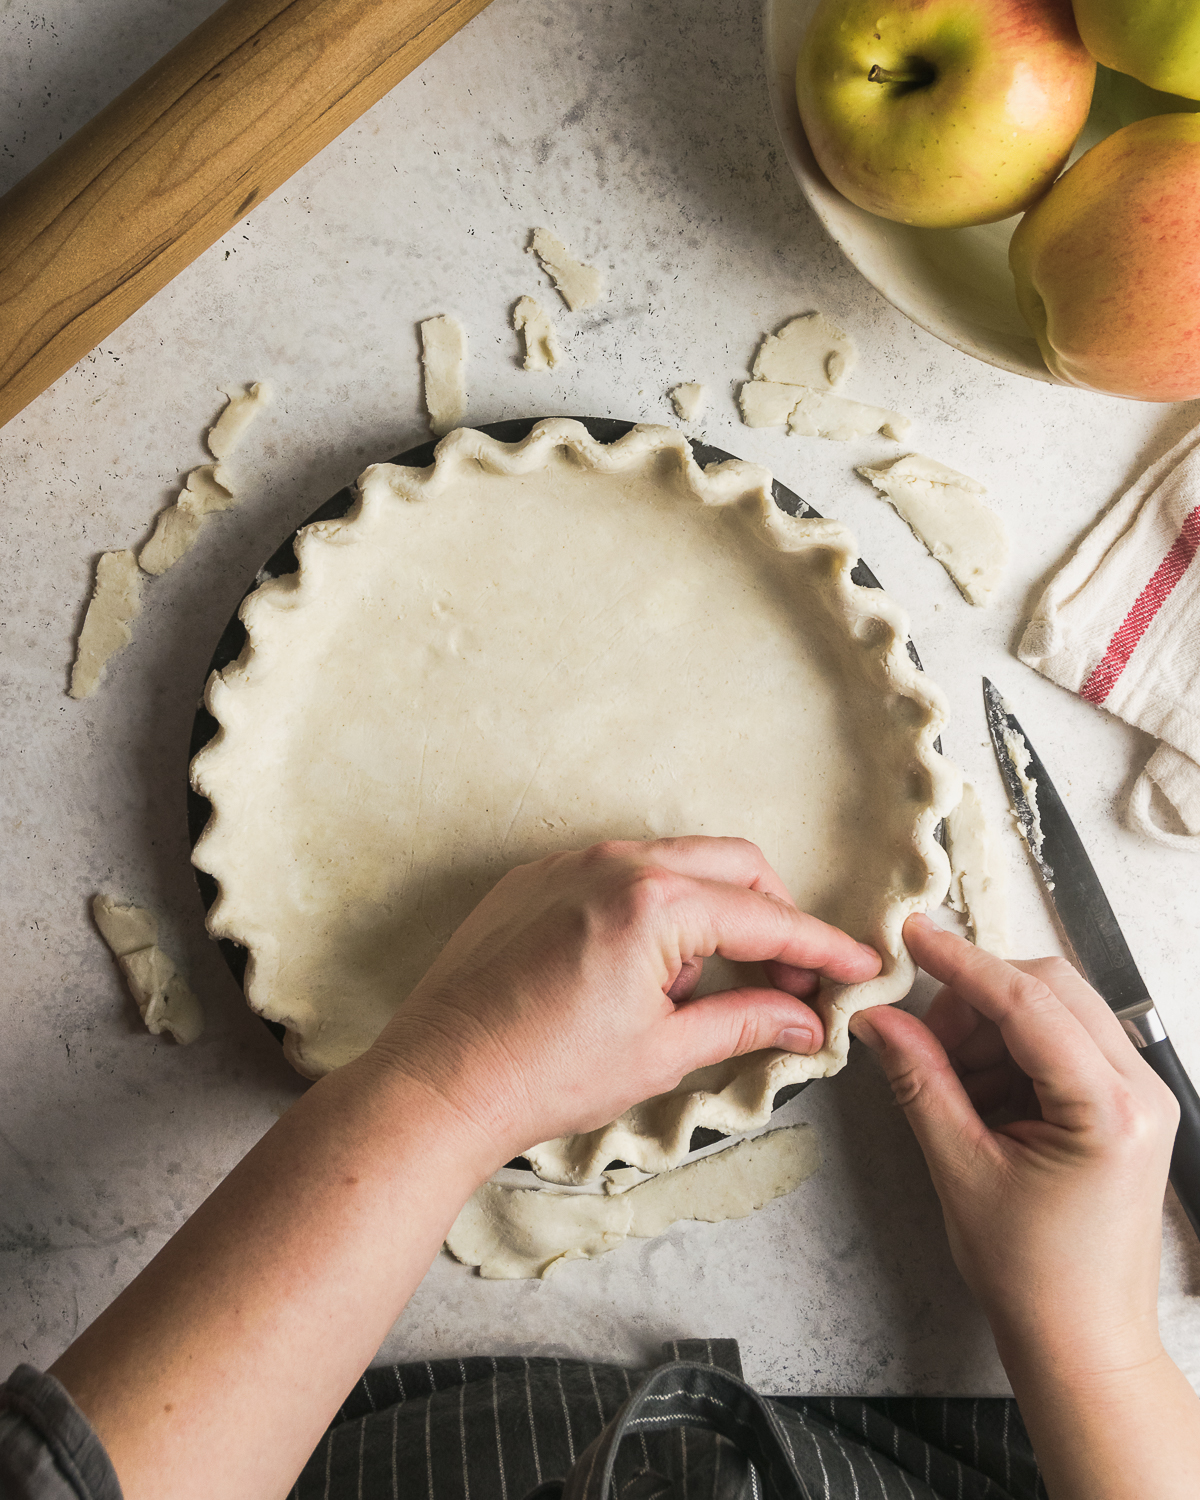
[504, 1428]
[513, 1428]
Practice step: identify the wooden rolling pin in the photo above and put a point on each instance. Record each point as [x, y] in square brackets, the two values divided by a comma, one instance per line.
[180, 157]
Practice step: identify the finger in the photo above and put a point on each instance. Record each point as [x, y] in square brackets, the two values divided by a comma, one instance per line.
[1084, 1003]
[683, 986]
[751, 926]
[1045, 1039]
[732, 861]
[952, 1020]
[972, 1041]
[793, 981]
[990, 1088]
[945, 1122]
[730, 1023]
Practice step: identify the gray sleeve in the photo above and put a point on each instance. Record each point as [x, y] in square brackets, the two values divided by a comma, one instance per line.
[48, 1450]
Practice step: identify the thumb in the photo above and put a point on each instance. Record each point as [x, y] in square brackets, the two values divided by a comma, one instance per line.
[730, 1023]
[944, 1121]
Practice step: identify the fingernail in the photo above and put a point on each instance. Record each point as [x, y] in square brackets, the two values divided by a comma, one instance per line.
[920, 919]
[867, 1034]
[795, 1039]
[871, 953]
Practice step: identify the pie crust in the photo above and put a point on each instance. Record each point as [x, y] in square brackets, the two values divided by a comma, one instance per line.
[534, 646]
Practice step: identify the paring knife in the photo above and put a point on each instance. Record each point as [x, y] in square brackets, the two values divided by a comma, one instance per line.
[1091, 929]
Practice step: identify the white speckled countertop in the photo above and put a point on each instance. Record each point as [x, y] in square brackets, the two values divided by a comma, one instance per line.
[640, 132]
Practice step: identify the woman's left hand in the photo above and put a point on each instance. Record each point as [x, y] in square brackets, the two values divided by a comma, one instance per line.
[564, 997]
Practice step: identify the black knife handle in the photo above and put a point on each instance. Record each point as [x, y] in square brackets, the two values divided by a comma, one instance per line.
[1185, 1158]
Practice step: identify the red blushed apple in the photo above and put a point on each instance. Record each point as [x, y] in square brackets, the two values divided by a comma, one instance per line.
[1107, 265]
[943, 112]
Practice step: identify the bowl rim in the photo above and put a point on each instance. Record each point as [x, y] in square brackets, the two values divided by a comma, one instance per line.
[832, 209]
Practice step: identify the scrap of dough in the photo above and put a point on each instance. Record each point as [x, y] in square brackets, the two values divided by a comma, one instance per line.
[536, 327]
[808, 351]
[689, 400]
[580, 285]
[822, 414]
[116, 599]
[621, 1179]
[206, 489]
[978, 874]
[767, 403]
[517, 595]
[945, 513]
[163, 996]
[124, 928]
[244, 405]
[444, 356]
[815, 413]
[512, 1233]
[1014, 743]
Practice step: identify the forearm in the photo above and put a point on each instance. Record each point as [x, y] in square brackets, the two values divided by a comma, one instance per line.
[1129, 1431]
[218, 1368]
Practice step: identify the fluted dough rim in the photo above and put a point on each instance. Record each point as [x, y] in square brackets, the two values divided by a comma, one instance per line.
[656, 1134]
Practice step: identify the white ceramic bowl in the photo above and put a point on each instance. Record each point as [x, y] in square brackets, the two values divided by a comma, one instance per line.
[955, 283]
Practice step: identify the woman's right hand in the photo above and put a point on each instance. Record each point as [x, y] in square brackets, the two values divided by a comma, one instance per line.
[1055, 1217]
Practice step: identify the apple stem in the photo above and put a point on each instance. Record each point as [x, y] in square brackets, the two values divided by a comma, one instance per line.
[891, 75]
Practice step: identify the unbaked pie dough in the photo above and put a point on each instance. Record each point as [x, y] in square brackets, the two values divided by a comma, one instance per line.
[444, 360]
[164, 998]
[796, 372]
[978, 874]
[943, 509]
[241, 409]
[579, 285]
[534, 646]
[538, 334]
[689, 400]
[512, 1233]
[116, 601]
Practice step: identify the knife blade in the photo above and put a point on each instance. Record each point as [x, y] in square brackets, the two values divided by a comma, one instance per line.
[1092, 931]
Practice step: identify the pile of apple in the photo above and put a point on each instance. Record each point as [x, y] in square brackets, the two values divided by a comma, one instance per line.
[944, 113]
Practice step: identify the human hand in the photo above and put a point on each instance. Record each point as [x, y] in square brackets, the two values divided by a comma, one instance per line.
[565, 997]
[1054, 1219]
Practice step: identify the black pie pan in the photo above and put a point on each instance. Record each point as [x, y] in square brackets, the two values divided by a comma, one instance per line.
[283, 560]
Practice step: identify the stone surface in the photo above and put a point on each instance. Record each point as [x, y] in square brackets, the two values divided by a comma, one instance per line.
[641, 135]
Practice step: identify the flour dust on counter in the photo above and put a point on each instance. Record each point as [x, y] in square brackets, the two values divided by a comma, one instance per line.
[241, 409]
[794, 380]
[444, 358]
[579, 285]
[689, 400]
[206, 489]
[164, 997]
[943, 510]
[538, 334]
[116, 600]
[520, 1233]
[978, 874]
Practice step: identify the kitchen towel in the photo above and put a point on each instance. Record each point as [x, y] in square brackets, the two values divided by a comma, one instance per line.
[1120, 625]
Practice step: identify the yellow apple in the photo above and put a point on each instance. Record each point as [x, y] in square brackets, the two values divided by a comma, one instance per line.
[1107, 265]
[943, 112]
[1157, 41]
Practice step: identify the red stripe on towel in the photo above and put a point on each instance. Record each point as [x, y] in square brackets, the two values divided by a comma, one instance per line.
[1145, 607]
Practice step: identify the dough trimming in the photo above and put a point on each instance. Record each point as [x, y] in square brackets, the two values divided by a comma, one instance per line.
[512, 1233]
[116, 600]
